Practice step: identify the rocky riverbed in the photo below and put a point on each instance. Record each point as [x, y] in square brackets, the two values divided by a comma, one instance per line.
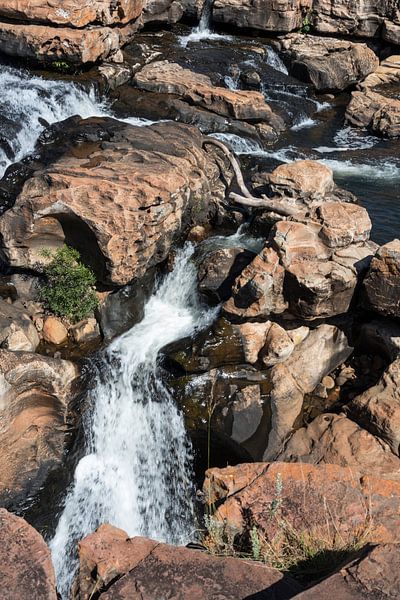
[223, 418]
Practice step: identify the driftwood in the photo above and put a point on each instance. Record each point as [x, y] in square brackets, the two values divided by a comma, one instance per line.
[246, 198]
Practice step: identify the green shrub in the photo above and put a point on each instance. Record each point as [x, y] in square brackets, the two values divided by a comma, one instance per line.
[69, 290]
[306, 25]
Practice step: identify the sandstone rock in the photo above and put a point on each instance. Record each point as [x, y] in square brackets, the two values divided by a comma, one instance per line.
[373, 575]
[388, 72]
[376, 112]
[72, 13]
[158, 570]
[328, 63]
[316, 500]
[197, 89]
[278, 346]
[119, 193]
[218, 270]
[26, 570]
[35, 392]
[75, 46]
[382, 283]
[378, 408]
[363, 19]
[336, 439]
[253, 337]
[17, 331]
[86, 331]
[324, 349]
[54, 331]
[381, 337]
[258, 291]
[284, 16]
[302, 178]
[162, 11]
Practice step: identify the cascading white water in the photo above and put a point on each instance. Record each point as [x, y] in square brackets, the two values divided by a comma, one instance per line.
[203, 30]
[27, 102]
[136, 472]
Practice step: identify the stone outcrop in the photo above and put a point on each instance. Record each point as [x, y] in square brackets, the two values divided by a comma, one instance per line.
[336, 439]
[17, 331]
[329, 64]
[378, 408]
[264, 15]
[218, 270]
[35, 393]
[311, 263]
[197, 90]
[374, 574]
[382, 283]
[142, 569]
[315, 500]
[120, 194]
[26, 570]
[75, 32]
[376, 112]
[324, 349]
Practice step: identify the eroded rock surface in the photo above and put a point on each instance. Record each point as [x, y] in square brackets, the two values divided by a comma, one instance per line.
[120, 194]
[382, 283]
[26, 570]
[35, 393]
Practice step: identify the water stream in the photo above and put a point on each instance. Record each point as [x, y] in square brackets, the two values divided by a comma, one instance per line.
[136, 472]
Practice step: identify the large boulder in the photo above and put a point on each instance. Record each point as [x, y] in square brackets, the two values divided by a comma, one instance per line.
[378, 408]
[331, 438]
[372, 575]
[382, 283]
[120, 194]
[34, 402]
[318, 501]
[123, 568]
[324, 349]
[17, 331]
[376, 112]
[26, 570]
[361, 19]
[265, 15]
[329, 64]
[75, 32]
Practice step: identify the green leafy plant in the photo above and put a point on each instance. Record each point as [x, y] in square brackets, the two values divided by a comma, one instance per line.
[306, 25]
[60, 65]
[69, 289]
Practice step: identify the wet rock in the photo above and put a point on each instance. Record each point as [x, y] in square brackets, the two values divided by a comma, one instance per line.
[85, 331]
[378, 408]
[17, 331]
[265, 16]
[370, 576]
[316, 500]
[54, 331]
[324, 349]
[26, 570]
[197, 89]
[118, 193]
[382, 283]
[336, 439]
[35, 393]
[376, 112]
[218, 270]
[258, 291]
[154, 570]
[382, 337]
[329, 64]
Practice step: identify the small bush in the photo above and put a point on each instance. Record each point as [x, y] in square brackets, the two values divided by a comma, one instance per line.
[69, 290]
[306, 25]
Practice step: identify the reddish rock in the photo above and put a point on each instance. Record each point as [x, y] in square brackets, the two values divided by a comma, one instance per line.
[302, 178]
[282, 16]
[312, 499]
[375, 111]
[54, 331]
[382, 283]
[331, 438]
[34, 396]
[122, 193]
[375, 574]
[26, 570]
[155, 570]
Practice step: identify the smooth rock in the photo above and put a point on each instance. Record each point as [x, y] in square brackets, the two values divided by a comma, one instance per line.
[85, 331]
[54, 331]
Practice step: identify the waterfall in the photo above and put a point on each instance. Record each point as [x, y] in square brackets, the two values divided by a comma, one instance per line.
[136, 472]
[203, 30]
[28, 103]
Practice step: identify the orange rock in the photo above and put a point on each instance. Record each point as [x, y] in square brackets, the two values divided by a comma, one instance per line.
[54, 331]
